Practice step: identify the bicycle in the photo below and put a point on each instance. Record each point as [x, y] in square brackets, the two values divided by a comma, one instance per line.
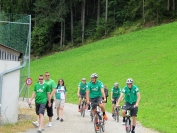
[116, 113]
[83, 106]
[91, 113]
[128, 125]
[99, 120]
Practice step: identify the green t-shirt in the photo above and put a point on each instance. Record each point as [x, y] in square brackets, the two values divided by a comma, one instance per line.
[95, 89]
[115, 92]
[41, 91]
[60, 92]
[130, 95]
[52, 85]
[82, 87]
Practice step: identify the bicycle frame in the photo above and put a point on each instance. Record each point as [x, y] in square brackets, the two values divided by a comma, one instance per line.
[128, 125]
[98, 118]
[83, 106]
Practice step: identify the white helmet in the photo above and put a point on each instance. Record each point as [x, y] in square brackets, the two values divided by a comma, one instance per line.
[94, 75]
[129, 81]
[83, 79]
[116, 84]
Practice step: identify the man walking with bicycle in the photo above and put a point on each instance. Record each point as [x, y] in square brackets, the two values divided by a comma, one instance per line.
[81, 93]
[95, 91]
[132, 97]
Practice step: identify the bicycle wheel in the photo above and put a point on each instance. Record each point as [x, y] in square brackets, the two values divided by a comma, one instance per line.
[103, 124]
[83, 110]
[117, 114]
[96, 122]
[128, 125]
[91, 115]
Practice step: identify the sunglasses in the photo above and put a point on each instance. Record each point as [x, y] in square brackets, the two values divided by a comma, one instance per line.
[40, 79]
[47, 75]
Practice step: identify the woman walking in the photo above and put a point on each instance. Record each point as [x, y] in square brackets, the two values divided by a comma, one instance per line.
[60, 94]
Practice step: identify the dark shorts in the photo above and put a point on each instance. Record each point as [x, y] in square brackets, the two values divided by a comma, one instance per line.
[133, 111]
[40, 108]
[82, 95]
[115, 100]
[103, 99]
[95, 102]
[50, 109]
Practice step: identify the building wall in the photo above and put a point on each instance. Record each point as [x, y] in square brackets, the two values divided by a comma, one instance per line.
[8, 54]
[10, 92]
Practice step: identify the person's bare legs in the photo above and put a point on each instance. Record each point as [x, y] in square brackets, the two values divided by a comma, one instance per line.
[57, 111]
[61, 112]
[41, 121]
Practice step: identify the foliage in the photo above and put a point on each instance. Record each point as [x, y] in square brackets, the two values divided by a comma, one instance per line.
[58, 14]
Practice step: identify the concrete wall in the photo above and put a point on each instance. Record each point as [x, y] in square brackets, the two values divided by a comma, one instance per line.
[10, 92]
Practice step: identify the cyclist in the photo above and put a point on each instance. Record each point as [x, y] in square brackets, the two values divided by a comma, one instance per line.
[81, 93]
[132, 97]
[115, 94]
[95, 90]
[60, 94]
[106, 94]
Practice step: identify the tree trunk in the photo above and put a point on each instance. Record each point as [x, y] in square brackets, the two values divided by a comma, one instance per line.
[61, 36]
[174, 5]
[106, 17]
[168, 5]
[83, 21]
[144, 11]
[64, 32]
[0, 6]
[114, 14]
[98, 13]
[72, 26]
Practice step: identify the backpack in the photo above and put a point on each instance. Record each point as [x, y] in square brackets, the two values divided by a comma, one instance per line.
[106, 92]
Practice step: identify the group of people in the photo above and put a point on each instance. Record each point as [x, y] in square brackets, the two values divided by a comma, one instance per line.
[96, 94]
[44, 91]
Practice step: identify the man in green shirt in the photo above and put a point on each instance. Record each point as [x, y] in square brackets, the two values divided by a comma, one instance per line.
[52, 85]
[115, 94]
[94, 94]
[132, 98]
[81, 93]
[41, 94]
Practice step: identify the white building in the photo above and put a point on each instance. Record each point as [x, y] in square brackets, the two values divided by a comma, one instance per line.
[9, 84]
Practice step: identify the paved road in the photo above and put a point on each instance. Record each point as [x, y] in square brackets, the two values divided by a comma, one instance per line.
[74, 123]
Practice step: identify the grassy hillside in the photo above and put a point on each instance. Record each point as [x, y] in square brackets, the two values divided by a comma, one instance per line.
[148, 56]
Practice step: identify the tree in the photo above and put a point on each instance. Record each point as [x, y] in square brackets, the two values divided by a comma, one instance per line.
[106, 17]
[83, 20]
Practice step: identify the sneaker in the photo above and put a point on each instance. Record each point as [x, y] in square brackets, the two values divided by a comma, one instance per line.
[89, 110]
[132, 131]
[96, 128]
[112, 115]
[105, 117]
[49, 124]
[35, 123]
[58, 118]
[61, 120]
[39, 130]
[123, 122]
[79, 110]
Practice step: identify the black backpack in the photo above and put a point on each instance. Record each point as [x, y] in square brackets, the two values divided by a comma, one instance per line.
[106, 92]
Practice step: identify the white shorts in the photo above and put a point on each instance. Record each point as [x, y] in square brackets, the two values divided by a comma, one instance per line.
[59, 103]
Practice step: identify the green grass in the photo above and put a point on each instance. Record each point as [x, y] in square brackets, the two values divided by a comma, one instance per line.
[148, 56]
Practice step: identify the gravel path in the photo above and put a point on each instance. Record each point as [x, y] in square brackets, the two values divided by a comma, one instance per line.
[74, 123]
